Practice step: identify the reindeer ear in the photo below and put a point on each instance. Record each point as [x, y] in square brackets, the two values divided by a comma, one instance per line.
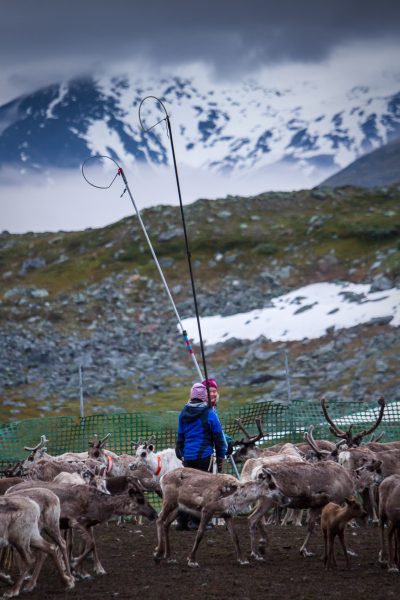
[265, 473]
[376, 465]
[135, 487]
[350, 500]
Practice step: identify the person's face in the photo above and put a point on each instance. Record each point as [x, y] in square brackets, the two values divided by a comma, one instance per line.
[213, 395]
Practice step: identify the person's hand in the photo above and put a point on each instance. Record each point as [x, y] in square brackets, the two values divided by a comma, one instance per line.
[230, 448]
[220, 464]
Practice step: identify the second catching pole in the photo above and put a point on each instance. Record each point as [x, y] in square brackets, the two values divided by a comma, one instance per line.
[184, 333]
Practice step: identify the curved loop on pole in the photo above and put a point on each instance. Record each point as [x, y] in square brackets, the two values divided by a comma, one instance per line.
[97, 157]
[140, 116]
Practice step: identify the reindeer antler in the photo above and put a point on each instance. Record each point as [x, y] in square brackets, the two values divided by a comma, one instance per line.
[377, 438]
[43, 441]
[308, 436]
[357, 438]
[104, 440]
[348, 435]
[333, 427]
[250, 439]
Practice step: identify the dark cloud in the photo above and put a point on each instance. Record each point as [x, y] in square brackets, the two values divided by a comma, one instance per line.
[234, 35]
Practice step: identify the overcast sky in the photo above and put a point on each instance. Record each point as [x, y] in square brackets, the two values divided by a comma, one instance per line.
[43, 41]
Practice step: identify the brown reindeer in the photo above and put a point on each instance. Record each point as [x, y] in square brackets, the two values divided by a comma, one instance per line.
[248, 448]
[19, 528]
[83, 506]
[8, 482]
[389, 514]
[49, 523]
[369, 468]
[318, 449]
[206, 495]
[334, 519]
[308, 485]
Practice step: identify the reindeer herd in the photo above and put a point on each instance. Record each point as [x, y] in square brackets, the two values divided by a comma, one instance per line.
[47, 501]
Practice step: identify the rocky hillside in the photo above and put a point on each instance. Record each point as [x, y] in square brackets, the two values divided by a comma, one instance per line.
[95, 298]
[377, 168]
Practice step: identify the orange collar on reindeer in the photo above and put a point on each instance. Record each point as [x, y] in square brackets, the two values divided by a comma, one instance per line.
[110, 463]
[158, 465]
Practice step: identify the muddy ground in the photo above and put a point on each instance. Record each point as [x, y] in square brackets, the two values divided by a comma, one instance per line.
[126, 554]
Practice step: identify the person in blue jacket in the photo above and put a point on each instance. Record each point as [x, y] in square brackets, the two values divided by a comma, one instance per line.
[199, 433]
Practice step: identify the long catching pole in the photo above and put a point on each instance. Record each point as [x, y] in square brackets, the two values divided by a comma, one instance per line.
[188, 253]
[184, 333]
[127, 188]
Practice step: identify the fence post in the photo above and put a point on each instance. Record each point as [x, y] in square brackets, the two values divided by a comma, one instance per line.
[287, 375]
[81, 392]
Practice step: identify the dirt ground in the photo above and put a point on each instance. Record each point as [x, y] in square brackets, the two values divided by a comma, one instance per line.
[126, 554]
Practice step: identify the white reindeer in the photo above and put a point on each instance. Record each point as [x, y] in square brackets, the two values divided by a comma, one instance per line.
[158, 463]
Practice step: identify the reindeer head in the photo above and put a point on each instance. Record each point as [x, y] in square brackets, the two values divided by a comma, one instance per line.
[247, 444]
[96, 447]
[137, 502]
[265, 477]
[352, 440]
[35, 453]
[369, 473]
[145, 448]
[354, 507]
[13, 470]
[318, 453]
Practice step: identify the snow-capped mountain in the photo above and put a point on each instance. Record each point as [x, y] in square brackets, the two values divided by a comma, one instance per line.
[242, 128]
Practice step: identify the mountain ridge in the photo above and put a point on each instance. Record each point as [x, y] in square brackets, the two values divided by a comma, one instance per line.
[226, 130]
[377, 168]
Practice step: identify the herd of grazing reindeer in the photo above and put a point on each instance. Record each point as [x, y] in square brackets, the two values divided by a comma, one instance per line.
[46, 496]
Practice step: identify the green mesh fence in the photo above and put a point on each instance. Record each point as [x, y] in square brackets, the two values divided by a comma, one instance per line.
[279, 423]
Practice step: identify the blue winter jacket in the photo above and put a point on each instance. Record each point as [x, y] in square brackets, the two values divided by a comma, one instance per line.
[199, 431]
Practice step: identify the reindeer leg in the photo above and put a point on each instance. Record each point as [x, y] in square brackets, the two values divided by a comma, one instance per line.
[91, 548]
[205, 517]
[392, 567]
[5, 563]
[6, 578]
[40, 558]
[299, 518]
[23, 566]
[88, 540]
[383, 556]
[288, 518]
[41, 544]
[54, 533]
[167, 524]
[314, 512]
[325, 557]
[397, 547]
[97, 566]
[262, 530]
[165, 518]
[331, 551]
[345, 553]
[375, 519]
[235, 539]
[255, 518]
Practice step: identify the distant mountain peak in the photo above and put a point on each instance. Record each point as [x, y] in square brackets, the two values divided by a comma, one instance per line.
[233, 129]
